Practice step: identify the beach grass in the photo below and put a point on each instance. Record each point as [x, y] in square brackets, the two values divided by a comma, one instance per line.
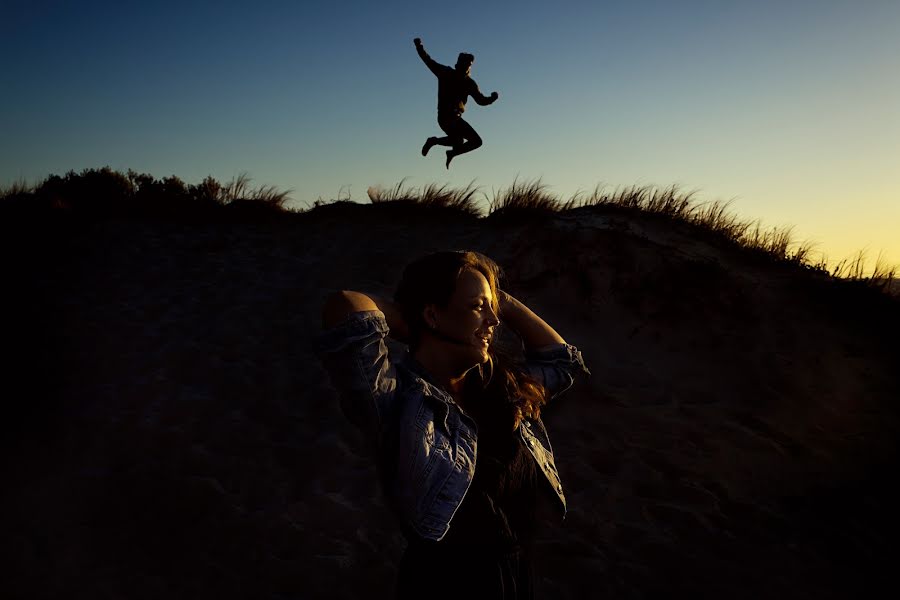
[107, 192]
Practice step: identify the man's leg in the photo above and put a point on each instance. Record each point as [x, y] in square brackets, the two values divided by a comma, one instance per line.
[440, 141]
[453, 137]
[463, 130]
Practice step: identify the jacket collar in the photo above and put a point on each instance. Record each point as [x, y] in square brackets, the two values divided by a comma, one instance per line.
[422, 376]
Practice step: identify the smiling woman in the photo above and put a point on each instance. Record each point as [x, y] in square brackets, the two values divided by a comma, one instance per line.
[464, 457]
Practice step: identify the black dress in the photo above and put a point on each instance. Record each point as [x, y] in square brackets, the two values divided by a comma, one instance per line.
[486, 552]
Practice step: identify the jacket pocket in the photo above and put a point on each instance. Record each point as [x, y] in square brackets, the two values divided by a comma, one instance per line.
[431, 445]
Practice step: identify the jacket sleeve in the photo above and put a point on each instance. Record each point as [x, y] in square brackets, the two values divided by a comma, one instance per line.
[555, 367]
[356, 358]
[476, 94]
[432, 64]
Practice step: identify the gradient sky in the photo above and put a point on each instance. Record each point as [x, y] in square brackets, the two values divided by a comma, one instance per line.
[789, 108]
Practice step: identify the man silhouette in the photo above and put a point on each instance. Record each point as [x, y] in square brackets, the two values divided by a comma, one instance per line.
[454, 88]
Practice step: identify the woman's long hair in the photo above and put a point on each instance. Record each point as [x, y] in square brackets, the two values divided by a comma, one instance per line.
[505, 392]
[500, 388]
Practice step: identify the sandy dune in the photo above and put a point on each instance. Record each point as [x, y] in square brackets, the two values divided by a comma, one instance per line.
[178, 439]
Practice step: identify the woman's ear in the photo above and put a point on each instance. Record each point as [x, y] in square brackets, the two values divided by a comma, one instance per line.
[430, 316]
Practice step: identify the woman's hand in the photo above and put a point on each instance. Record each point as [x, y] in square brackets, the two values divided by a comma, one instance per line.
[502, 302]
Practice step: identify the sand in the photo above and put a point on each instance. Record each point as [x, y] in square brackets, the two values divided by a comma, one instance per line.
[171, 434]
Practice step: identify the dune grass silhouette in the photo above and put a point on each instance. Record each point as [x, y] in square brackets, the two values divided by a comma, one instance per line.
[106, 192]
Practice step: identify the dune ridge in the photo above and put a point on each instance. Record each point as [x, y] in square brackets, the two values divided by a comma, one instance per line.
[180, 439]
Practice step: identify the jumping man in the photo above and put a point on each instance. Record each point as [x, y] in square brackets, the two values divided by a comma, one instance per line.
[454, 88]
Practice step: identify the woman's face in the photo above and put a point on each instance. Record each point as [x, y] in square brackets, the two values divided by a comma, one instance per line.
[469, 316]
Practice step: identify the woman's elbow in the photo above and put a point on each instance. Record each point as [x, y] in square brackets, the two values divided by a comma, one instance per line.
[335, 309]
[343, 302]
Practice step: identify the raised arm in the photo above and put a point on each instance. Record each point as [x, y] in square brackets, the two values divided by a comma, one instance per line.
[429, 62]
[342, 303]
[534, 331]
[548, 358]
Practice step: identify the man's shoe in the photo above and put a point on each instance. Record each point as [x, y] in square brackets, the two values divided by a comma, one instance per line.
[428, 144]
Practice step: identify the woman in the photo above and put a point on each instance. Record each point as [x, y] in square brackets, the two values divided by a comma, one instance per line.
[463, 455]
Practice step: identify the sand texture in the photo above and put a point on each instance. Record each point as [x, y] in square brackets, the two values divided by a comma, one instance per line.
[171, 435]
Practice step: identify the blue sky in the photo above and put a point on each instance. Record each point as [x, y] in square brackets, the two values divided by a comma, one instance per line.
[791, 109]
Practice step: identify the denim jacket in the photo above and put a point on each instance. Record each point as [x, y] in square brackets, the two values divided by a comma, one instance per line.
[426, 445]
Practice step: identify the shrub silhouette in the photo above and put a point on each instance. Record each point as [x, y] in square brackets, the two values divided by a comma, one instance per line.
[91, 192]
[107, 193]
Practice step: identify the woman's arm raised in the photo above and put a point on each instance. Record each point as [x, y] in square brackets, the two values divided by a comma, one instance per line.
[342, 303]
[534, 331]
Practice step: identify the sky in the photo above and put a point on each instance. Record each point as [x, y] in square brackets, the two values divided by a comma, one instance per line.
[789, 109]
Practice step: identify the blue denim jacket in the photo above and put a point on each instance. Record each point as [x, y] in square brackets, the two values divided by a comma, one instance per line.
[426, 445]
